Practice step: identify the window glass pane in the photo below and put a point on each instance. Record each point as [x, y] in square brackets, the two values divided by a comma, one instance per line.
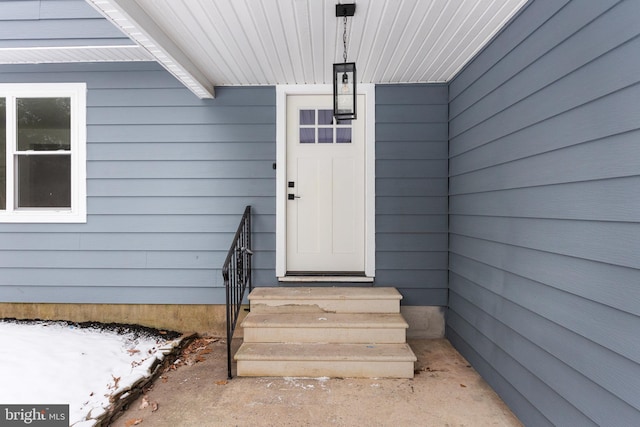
[307, 135]
[44, 124]
[343, 135]
[344, 122]
[44, 181]
[3, 154]
[325, 117]
[307, 117]
[325, 135]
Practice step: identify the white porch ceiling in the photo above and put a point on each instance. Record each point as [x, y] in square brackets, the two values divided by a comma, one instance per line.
[207, 43]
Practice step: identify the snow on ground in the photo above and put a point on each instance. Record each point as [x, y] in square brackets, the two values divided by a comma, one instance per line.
[61, 363]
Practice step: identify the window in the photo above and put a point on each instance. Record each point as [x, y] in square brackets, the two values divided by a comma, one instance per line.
[43, 152]
[319, 127]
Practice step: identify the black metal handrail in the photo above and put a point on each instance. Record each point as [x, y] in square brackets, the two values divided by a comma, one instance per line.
[236, 273]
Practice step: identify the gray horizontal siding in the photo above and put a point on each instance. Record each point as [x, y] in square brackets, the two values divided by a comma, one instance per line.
[173, 187]
[106, 151]
[168, 95]
[133, 76]
[81, 294]
[120, 241]
[545, 213]
[41, 23]
[168, 177]
[501, 379]
[182, 169]
[411, 191]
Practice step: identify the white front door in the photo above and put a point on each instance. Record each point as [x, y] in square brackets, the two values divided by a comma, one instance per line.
[325, 188]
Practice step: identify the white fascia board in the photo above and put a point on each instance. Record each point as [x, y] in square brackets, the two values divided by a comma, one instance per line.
[131, 19]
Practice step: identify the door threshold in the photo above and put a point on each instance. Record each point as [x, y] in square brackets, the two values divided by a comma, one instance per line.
[326, 279]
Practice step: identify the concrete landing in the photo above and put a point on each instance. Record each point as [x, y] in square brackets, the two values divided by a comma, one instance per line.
[445, 391]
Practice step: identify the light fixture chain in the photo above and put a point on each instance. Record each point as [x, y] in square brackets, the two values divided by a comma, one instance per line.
[344, 40]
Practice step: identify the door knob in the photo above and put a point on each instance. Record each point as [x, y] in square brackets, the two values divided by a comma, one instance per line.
[292, 197]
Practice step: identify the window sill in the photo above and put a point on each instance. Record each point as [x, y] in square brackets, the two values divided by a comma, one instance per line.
[49, 217]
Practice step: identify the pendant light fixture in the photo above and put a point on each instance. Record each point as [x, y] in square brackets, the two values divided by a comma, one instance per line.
[344, 74]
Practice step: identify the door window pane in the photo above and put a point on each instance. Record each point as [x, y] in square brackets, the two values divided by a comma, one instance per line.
[3, 154]
[44, 181]
[307, 135]
[320, 127]
[307, 117]
[325, 135]
[343, 135]
[325, 117]
[44, 124]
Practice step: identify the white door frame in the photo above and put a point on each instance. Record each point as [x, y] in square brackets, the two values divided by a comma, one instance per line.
[282, 91]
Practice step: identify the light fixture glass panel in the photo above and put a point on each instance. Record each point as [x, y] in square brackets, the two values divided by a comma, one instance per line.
[44, 181]
[307, 117]
[344, 90]
[44, 124]
[345, 93]
[307, 135]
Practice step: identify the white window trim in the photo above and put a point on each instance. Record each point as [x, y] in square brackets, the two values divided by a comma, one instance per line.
[78, 211]
[281, 172]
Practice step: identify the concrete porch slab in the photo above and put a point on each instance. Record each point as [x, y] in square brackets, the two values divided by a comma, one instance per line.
[444, 391]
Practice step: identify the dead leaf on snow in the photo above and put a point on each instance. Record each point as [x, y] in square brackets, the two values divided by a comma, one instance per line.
[222, 382]
[133, 422]
[154, 406]
[116, 380]
[133, 351]
[462, 385]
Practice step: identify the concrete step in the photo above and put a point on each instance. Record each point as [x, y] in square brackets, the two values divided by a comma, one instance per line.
[355, 328]
[325, 360]
[325, 299]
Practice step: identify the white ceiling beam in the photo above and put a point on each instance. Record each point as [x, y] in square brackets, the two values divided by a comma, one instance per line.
[135, 23]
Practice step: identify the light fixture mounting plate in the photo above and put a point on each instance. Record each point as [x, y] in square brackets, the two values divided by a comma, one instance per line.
[345, 10]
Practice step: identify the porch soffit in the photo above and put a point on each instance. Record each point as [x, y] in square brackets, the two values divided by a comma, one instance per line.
[207, 43]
